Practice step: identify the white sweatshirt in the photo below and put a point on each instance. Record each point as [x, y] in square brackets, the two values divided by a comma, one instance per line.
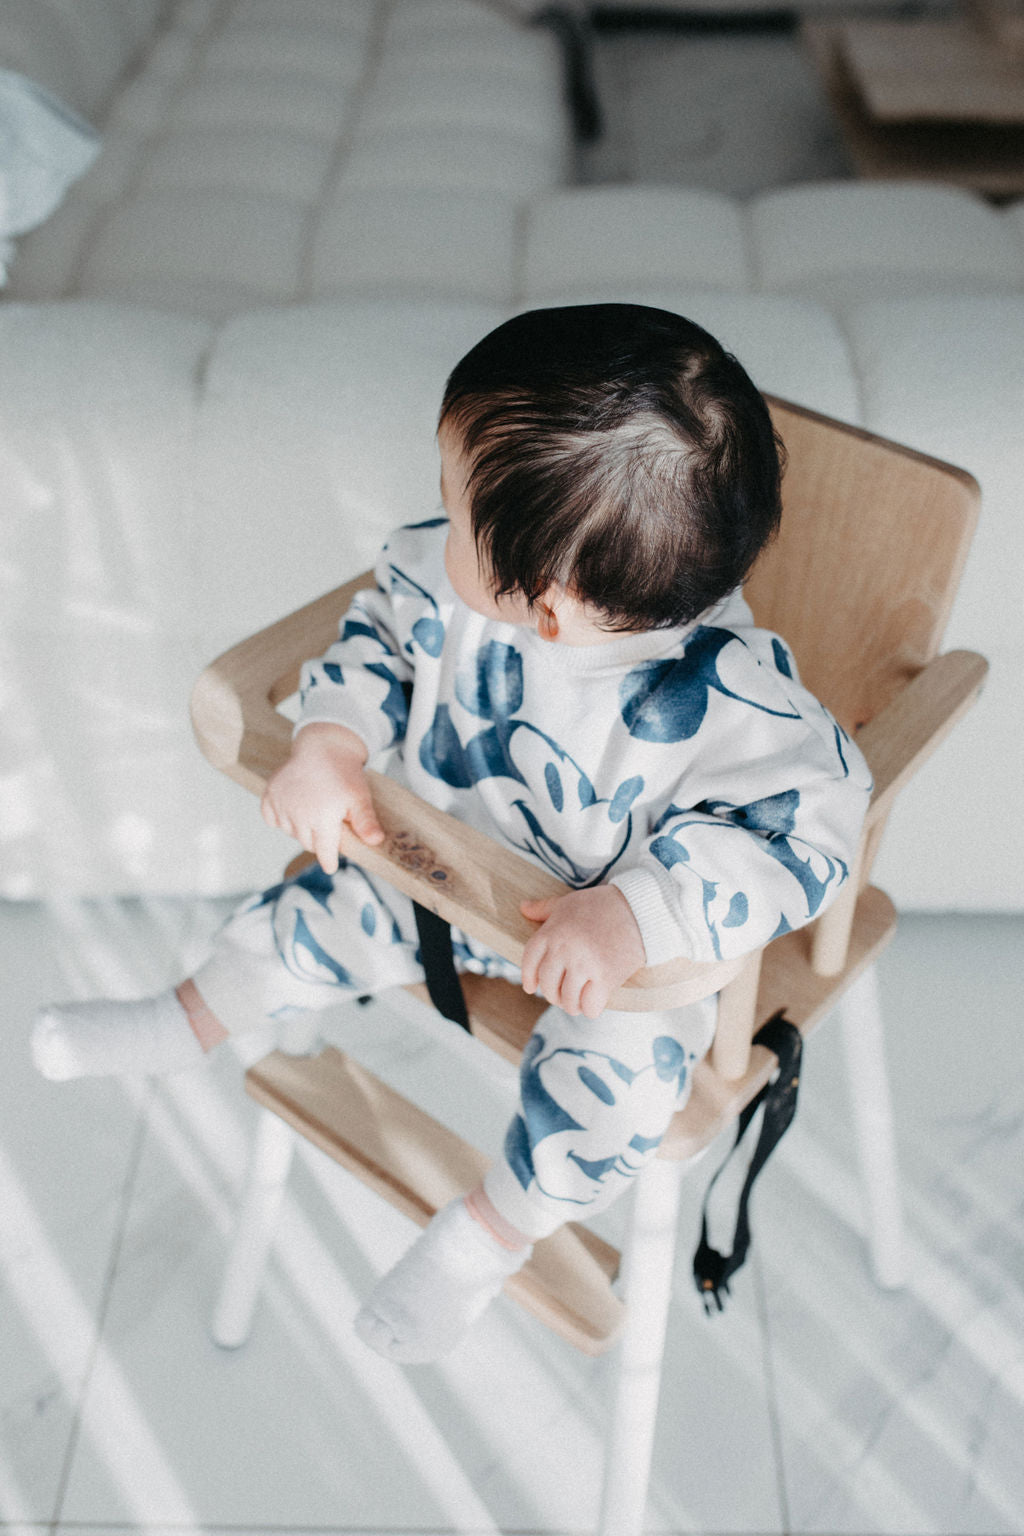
[689, 767]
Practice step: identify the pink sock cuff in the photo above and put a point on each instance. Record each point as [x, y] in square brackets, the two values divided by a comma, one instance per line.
[206, 1026]
[480, 1208]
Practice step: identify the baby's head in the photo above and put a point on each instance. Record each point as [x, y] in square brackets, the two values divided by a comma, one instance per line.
[616, 451]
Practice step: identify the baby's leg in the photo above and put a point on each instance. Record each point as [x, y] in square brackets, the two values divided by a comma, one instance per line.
[99, 1039]
[596, 1099]
[303, 945]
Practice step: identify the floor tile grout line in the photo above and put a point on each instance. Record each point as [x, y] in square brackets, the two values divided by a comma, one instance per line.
[772, 1395]
[102, 1310]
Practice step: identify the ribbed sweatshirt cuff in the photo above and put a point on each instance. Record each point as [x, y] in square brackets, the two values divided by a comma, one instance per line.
[658, 923]
[323, 716]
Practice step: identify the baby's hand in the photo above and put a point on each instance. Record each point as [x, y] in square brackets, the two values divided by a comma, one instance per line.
[587, 945]
[322, 786]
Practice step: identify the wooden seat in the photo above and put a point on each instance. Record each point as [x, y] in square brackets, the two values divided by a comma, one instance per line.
[860, 583]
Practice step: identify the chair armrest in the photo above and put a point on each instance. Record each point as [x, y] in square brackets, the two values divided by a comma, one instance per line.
[904, 734]
[895, 744]
[451, 868]
[233, 703]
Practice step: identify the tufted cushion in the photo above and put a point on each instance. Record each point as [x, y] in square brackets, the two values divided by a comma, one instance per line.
[446, 159]
[255, 130]
[95, 764]
[107, 499]
[409, 241]
[319, 419]
[849, 241]
[944, 375]
[611, 236]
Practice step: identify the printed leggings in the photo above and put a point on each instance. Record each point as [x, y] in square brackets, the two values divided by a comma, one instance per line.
[596, 1096]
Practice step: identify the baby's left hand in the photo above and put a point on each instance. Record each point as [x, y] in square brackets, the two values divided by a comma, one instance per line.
[587, 945]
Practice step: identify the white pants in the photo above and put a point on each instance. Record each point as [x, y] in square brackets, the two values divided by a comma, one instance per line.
[596, 1096]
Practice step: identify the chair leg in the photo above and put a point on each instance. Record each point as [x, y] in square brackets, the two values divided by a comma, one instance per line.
[863, 1038]
[649, 1260]
[269, 1166]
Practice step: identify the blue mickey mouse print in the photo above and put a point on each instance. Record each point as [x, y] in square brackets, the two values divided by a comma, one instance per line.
[813, 871]
[428, 630]
[360, 653]
[373, 645]
[304, 913]
[562, 820]
[723, 882]
[775, 818]
[589, 1120]
[667, 700]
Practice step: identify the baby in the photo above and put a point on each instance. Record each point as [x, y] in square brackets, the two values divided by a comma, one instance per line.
[564, 660]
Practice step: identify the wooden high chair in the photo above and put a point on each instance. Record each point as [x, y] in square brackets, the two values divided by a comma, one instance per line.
[860, 583]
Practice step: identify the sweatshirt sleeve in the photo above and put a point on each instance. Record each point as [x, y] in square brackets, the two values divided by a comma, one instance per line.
[365, 678]
[762, 832]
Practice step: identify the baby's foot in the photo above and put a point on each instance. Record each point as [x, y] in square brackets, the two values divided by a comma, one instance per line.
[105, 1038]
[422, 1307]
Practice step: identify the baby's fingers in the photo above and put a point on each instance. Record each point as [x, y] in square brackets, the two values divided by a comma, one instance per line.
[593, 999]
[362, 818]
[533, 954]
[569, 989]
[323, 840]
[274, 818]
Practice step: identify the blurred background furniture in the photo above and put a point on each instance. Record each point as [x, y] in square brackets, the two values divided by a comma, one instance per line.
[936, 98]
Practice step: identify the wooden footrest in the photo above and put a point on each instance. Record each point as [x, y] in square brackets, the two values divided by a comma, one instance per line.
[418, 1165]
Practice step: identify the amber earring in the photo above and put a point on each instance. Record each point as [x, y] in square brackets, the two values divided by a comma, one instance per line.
[547, 625]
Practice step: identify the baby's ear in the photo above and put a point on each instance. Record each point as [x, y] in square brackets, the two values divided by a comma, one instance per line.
[546, 615]
[575, 620]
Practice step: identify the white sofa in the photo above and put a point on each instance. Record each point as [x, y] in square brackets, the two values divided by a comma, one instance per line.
[221, 361]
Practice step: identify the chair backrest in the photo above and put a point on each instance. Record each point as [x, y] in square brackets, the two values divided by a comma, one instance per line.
[862, 576]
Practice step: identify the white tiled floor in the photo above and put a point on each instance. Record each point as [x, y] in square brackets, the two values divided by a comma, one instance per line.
[815, 1404]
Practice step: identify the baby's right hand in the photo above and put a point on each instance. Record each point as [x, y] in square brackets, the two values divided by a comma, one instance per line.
[320, 787]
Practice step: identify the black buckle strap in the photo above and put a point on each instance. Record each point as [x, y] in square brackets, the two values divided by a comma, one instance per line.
[712, 1270]
[439, 971]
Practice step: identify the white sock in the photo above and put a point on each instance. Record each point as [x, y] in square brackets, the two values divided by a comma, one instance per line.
[422, 1307]
[105, 1038]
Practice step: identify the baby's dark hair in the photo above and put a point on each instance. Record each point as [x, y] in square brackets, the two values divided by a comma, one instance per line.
[619, 451]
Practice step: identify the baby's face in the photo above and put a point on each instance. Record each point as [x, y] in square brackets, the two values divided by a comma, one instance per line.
[461, 558]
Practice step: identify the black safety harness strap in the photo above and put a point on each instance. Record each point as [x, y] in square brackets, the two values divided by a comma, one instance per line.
[712, 1270]
[440, 975]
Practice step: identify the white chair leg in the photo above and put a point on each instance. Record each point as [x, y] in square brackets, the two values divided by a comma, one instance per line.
[269, 1165]
[649, 1261]
[863, 1038]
